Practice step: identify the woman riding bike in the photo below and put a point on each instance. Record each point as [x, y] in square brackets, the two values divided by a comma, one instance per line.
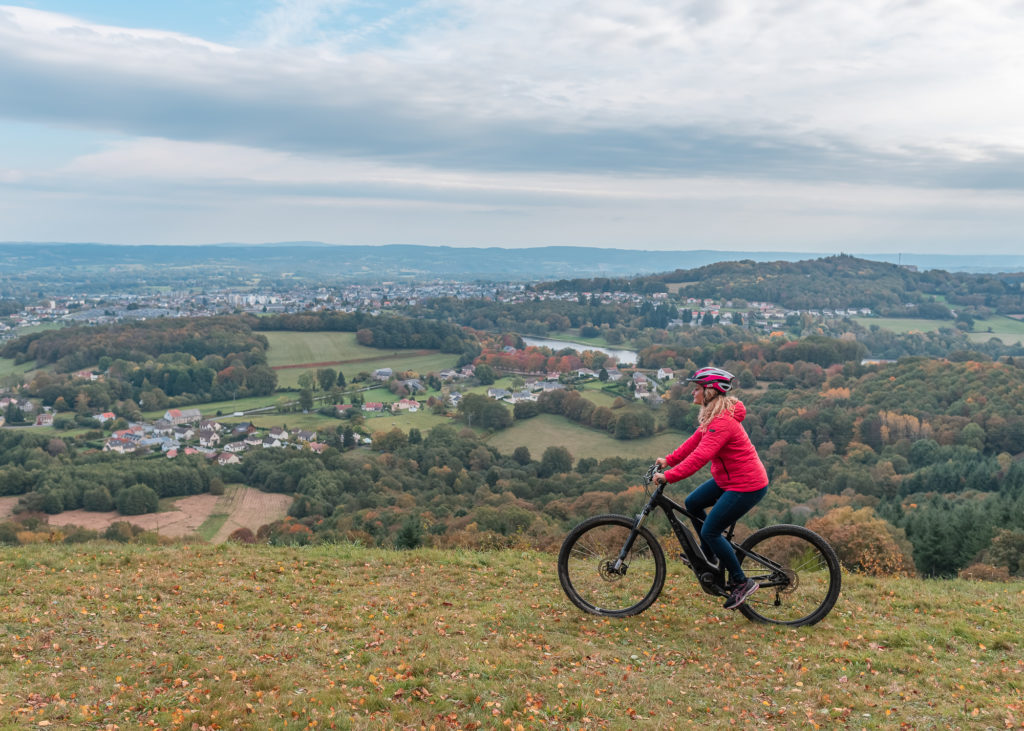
[738, 477]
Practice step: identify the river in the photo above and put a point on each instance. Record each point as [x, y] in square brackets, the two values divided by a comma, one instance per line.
[622, 357]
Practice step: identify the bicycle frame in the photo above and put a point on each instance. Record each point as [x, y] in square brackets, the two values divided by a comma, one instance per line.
[711, 576]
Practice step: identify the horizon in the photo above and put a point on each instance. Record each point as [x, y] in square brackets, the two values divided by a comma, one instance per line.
[671, 125]
[527, 247]
[559, 262]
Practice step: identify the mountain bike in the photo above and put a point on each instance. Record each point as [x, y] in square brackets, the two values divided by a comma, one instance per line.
[613, 566]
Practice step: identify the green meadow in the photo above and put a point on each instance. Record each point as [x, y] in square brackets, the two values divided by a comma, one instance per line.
[290, 348]
[188, 636]
[1006, 329]
[289, 351]
[904, 325]
[546, 430]
[8, 368]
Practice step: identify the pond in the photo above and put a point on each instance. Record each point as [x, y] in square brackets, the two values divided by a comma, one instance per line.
[622, 357]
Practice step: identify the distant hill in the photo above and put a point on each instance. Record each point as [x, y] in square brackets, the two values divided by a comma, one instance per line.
[829, 282]
[316, 261]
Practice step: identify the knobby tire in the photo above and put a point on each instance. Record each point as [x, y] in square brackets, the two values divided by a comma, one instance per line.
[586, 561]
[803, 584]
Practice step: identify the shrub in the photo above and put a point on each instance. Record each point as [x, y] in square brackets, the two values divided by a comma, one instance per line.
[137, 499]
[97, 499]
[52, 503]
[985, 572]
[77, 534]
[30, 536]
[9, 533]
[242, 535]
[1007, 549]
[121, 531]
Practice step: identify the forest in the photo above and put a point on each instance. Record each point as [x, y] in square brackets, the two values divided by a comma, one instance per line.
[919, 457]
[829, 282]
[161, 363]
[909, 466]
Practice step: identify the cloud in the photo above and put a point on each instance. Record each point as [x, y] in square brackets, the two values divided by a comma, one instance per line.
[813, 90]
[166, 164]
[799, 123]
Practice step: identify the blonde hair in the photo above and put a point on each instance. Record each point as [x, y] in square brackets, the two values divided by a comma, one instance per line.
[717, 406]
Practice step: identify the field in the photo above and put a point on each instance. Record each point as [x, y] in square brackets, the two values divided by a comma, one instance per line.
[1006, 329]
[257, 637]
[289, 348]
[216, 515]
[903, 324]
[292, 354]
[8, 368]
[600, 398]
[546, 430]
[244, 507]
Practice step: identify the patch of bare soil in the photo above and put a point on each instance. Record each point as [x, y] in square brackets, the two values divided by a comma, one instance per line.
[189, 513]
[250, 508]
[7, 506]
[245, 506]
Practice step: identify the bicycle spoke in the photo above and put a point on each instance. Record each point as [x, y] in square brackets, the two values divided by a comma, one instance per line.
[807, 585]
[588, 573]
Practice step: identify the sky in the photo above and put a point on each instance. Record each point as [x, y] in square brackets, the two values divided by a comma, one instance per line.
[823, 126]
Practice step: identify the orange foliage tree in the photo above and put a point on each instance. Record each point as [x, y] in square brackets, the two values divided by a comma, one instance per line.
[865, 542]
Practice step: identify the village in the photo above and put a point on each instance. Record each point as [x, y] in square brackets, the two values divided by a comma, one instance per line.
[185, 431]
[110, 308]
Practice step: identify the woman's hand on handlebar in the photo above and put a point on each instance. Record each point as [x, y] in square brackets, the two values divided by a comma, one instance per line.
[661, 463]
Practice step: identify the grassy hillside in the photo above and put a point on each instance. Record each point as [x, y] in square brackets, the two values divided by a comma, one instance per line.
[345, 637]
[8, 368]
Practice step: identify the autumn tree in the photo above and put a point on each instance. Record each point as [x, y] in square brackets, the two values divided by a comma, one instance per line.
[1007, 549]
[864, 542]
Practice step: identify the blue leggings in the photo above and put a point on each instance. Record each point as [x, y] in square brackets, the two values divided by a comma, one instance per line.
[729, 506]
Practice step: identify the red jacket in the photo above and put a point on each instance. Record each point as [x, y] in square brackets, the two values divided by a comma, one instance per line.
[734, 461]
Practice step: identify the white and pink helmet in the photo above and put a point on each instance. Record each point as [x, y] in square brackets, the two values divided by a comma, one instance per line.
[716, 378]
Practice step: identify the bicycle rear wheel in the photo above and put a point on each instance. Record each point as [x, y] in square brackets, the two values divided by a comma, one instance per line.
[587, 574]
[798, 573]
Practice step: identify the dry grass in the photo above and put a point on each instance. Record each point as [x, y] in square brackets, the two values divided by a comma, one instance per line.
[192, 637]
[240, 507]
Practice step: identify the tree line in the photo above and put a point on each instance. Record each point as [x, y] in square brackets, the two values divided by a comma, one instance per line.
[51, 477]
[830, 282]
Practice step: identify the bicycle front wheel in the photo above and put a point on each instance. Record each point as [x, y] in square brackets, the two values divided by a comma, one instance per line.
[586, 567]
[797, 572]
